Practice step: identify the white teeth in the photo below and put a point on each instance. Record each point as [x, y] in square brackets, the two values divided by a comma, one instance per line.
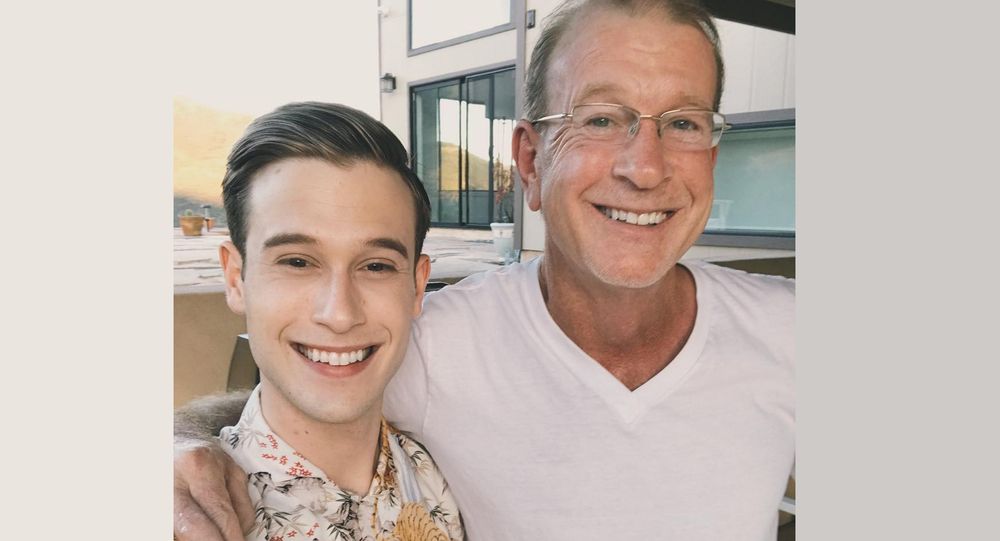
[646, 218]
[335, 359]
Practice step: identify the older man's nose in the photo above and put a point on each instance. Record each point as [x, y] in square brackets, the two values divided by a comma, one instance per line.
[642, 159]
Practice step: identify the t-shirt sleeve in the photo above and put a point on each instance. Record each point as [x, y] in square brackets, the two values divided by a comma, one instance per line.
[405, 403]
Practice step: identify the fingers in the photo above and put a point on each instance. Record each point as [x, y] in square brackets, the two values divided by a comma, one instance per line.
[236, 481]
[190, 523]
[203, 509]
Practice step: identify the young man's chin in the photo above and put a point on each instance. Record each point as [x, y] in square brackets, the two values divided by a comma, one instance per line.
[310, 404]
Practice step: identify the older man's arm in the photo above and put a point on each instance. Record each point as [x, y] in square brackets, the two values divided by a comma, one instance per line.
[211, 502]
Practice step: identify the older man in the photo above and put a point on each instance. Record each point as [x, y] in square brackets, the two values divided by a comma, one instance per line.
[605, 391]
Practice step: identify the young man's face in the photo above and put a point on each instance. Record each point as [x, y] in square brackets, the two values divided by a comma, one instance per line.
[328, 286]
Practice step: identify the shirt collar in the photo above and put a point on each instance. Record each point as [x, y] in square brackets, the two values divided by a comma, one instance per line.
[266, 452]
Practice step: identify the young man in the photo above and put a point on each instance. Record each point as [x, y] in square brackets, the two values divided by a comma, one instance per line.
[327, 223]
[628, 395]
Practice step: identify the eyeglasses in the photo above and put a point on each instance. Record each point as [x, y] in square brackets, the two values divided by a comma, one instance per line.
[680, 129]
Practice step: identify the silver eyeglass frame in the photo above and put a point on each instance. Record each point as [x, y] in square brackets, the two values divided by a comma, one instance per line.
[657, 119]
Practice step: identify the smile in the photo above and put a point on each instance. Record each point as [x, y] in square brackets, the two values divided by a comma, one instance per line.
[645, 218]
[335, 359]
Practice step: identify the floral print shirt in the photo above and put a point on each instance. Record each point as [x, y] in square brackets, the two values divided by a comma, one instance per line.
[409, 499]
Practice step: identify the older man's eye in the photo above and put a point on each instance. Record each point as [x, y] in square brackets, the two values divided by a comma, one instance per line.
[686, 124]
[600, 122]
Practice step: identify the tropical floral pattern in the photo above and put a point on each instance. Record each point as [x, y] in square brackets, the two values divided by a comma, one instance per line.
[294, 501]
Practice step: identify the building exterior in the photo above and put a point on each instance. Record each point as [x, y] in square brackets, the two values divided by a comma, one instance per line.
[453, 73]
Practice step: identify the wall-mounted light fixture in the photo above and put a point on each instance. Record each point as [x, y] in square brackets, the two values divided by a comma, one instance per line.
[388, 83]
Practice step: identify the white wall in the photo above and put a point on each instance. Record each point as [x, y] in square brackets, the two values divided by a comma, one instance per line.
[760, 68]
[486, 51]
[250, 57]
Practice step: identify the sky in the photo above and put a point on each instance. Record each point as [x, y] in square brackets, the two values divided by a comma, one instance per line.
[250, 57]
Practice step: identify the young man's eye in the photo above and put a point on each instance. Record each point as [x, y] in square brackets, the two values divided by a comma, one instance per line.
[379, 267]
[296, 262]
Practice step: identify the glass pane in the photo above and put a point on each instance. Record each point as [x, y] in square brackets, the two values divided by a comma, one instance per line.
[462, 133]
[503, 163]
[434, 21]
[436, 130]
[476, 156]
[755, 182]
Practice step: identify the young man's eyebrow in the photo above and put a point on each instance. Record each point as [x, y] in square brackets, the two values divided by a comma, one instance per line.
[298, 238]
[390, 244]
[288, 238]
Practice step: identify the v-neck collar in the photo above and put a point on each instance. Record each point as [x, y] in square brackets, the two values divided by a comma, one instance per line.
[628, 405]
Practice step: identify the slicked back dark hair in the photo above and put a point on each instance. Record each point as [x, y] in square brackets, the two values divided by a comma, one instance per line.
[571, 12]
[336, 133]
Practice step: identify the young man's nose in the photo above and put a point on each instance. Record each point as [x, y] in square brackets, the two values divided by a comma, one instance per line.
[338, 305]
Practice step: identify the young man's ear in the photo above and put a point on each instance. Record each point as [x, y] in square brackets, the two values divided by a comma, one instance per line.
[525, 151]
[232, 272]
[423, 272]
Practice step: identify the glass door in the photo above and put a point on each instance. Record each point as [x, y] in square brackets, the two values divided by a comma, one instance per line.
[461, 141]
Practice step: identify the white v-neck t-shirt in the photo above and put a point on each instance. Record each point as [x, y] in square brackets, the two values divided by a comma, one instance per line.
[538, 441]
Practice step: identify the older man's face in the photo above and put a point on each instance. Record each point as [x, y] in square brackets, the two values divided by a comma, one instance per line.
[651, 65]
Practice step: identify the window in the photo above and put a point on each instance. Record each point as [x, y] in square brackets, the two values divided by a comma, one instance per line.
[754, 202]
[461, 132]
[433, 22]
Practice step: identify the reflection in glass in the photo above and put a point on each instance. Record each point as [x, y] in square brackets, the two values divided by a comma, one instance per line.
[462, 132]
[755, 182]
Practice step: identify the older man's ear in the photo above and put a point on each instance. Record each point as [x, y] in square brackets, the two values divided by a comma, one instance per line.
[525, 151]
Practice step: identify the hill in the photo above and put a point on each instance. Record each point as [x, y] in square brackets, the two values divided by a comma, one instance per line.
[479, 170]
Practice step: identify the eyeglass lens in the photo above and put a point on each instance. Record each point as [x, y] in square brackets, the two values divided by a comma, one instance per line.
[681, 129]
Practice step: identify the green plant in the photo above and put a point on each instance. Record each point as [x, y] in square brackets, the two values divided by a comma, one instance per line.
[189, 212]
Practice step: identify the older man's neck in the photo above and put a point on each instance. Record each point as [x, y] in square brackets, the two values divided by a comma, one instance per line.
[632, 332]
[346, 452]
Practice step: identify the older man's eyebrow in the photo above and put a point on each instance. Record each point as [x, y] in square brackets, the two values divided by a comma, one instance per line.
[605, 91]
[690, 100]
[288, 238]
[598, 89]
[389, 244]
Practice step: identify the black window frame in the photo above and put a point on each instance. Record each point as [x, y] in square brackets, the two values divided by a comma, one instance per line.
[445, 80]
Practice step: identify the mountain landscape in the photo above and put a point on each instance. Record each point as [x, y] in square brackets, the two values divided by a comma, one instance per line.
[479, 169]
